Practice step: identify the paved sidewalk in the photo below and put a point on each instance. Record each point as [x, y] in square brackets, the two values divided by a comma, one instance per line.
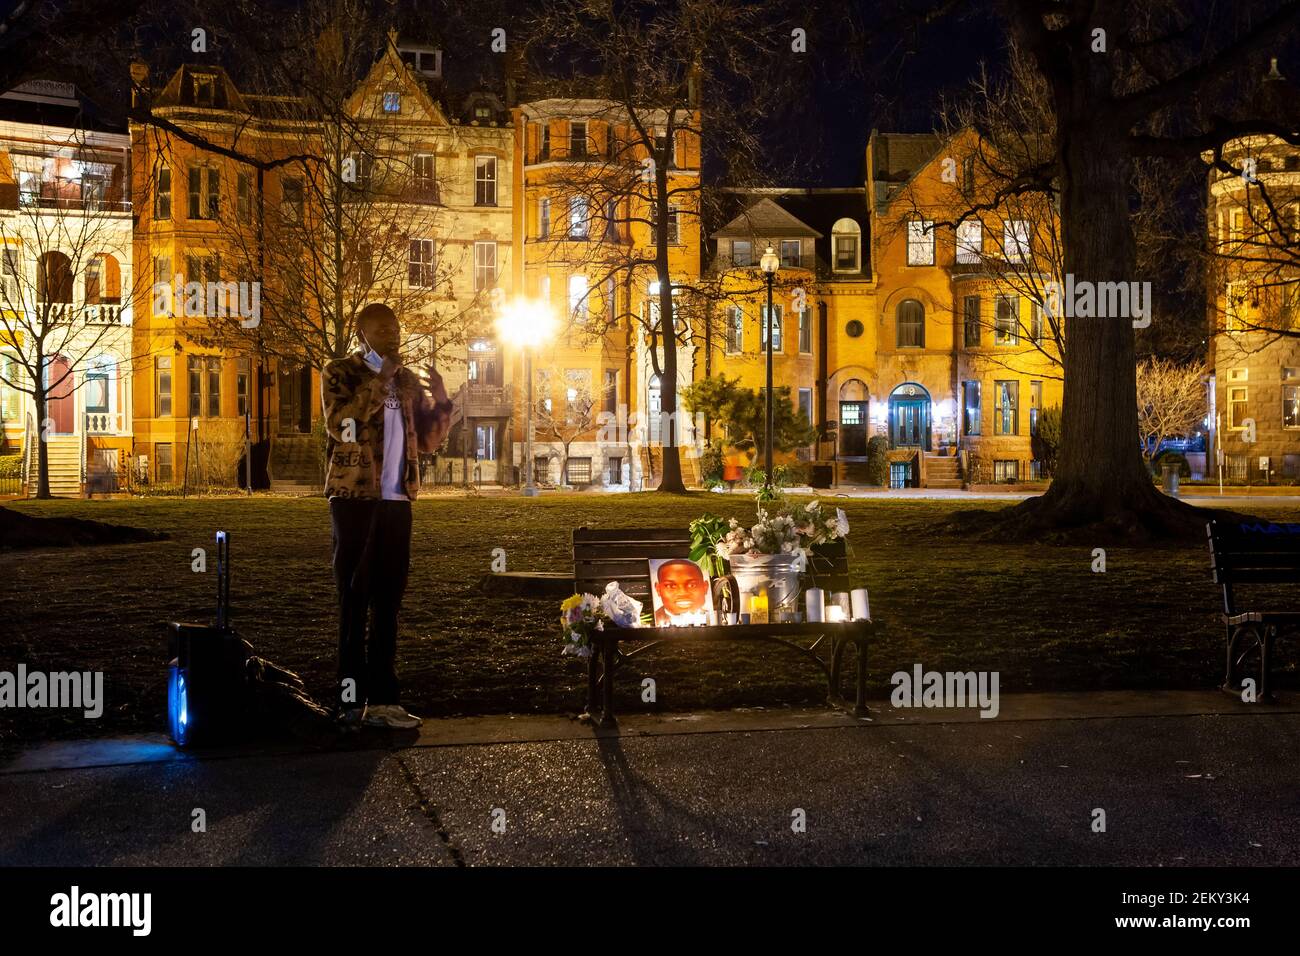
[1183, 778]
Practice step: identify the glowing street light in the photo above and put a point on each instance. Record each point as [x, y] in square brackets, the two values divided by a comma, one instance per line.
[527, 323]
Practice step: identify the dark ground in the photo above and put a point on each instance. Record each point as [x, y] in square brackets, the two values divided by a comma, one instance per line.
[1035, 613]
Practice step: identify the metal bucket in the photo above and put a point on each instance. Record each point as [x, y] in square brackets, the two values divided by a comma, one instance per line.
[776, 572]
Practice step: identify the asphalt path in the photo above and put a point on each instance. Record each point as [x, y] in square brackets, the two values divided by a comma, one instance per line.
[1172, 789]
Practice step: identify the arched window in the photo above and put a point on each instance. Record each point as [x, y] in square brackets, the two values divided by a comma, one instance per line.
[911, 324]
[846, 246]
[103, 281]
[54, 278]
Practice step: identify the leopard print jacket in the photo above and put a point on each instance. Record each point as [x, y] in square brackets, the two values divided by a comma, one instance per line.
[353, 398]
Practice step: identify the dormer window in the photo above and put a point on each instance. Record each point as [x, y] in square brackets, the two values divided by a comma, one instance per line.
[482, 113]
[846, 246]
[203, 89]
[790, 253]
[392, 102]
[742, 253]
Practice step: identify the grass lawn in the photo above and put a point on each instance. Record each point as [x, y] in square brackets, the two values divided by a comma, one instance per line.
[1035, 613]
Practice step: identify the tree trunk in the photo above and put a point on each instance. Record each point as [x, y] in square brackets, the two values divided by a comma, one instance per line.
[42, 450]
[671, 482]
[1101, 490]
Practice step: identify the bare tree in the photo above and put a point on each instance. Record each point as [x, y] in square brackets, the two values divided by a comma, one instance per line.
[1172, 402]
[568, 421]
[631, 194]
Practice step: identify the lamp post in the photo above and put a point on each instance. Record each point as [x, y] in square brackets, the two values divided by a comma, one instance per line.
[769, 263]
[527, 323]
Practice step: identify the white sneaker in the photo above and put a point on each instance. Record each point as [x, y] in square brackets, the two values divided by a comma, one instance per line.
[390, 715]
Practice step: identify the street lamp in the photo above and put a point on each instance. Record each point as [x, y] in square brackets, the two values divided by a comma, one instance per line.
[769, 263]
[527, 323]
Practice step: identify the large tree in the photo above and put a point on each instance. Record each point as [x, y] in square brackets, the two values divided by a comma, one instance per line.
[1121, 79]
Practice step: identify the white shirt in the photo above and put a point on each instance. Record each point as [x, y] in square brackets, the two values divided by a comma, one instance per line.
[391, 484]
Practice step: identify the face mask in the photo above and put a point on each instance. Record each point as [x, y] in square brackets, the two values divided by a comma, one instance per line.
[371, 357]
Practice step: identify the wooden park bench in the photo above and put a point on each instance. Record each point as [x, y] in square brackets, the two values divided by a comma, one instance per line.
[1254, 556]
[601, 556]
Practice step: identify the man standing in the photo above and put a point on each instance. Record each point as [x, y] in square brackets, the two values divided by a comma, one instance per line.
[379, 417]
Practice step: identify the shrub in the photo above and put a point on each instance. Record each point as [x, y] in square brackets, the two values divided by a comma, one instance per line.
[1171, 458]
[1046, 441]
[711, 462]
[878, 460]
[11, 466]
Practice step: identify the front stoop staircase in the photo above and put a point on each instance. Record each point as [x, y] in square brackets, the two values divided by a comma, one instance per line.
[941, 471]
[64, 453]
[295, 465]
[652, 467]
[853, 471]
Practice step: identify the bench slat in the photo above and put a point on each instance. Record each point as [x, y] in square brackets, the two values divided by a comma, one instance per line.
[634, 535]
[1257, 576]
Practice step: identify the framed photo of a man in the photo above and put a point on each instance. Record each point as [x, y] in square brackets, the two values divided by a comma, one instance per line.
[681, 593]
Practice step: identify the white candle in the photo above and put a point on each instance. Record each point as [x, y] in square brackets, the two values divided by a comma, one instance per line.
[815, 603]
[861, 606]
[842, 599]
[834, 614]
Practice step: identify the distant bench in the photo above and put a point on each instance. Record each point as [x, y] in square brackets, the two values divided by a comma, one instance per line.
[1259, 556]
[604, 555]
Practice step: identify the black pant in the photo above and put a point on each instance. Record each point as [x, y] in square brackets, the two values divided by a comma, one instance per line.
[372, 555]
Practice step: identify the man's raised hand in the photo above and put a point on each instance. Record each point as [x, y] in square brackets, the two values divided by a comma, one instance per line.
[433, 382]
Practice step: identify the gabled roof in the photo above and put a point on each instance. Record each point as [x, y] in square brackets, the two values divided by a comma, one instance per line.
[799, 214]
[391, 64]
[180, 89]
[767, 219]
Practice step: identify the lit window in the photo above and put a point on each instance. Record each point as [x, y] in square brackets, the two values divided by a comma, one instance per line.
[578, 296]
[578, 217]
[1007, 332]
[970, 241]
[420, 265]
[1007, 417]
[392, 102]
[485, 265]
[735, 329]
[1237, 407]
[920, 242]
[1015, 240]
[911, 325]
[485, 180]
[777, 323]
[1291, 406]
[846, 245]
[970, 407]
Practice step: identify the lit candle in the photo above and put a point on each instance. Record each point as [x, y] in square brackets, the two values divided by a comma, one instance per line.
[835, 614]
[758, 608]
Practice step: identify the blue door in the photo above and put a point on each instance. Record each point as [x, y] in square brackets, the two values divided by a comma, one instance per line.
[909, 422]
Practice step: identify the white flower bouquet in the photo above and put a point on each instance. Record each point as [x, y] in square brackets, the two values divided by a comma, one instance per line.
[585, 614]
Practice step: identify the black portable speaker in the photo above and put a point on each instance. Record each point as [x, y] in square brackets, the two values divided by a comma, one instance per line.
[206, 682]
